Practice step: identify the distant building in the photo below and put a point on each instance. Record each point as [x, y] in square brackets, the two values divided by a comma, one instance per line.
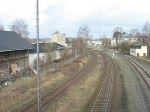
[138, 49]
[13, 50]
[125, 38]
[59, 39]
[114, 43]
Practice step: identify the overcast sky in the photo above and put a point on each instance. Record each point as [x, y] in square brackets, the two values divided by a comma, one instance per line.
[67, 16]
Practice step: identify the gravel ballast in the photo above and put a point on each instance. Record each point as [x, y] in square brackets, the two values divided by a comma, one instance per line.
[137, 92]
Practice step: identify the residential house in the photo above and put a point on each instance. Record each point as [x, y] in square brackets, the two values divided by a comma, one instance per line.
[14, 50]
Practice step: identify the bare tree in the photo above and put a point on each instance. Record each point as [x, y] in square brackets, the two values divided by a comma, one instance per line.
[83, 36]
[146, 33]
[1, 27]
[118, 32]
[146, 28]
[20, 27]
[134, 33]
[65, 54]
[84, 32]
[49, 49]
[105, 41]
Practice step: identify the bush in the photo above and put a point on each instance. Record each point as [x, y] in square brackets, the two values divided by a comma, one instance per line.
[125, 48]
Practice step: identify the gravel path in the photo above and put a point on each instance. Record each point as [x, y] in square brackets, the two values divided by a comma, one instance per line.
[136, 95]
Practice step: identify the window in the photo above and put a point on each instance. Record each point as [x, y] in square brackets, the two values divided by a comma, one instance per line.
[17, 63]
[138, 47]
[26, 53]
[7, 66]
[25, 63]
[43, 59]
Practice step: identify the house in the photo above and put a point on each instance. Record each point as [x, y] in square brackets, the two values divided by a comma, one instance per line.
[14, 50]
[138, 49]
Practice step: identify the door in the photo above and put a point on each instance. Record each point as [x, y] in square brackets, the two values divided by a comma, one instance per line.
[137, 54]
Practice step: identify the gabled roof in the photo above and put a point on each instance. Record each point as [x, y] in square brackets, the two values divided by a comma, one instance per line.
[58, 46]
[62, 44]
[137, 44]
[41, 48]
[11, 41]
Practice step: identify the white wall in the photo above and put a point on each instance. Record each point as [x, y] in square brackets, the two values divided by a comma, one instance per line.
[55, 55]
[32, 57]
[60, 38]
[141, 51]
[129, 40]
[132, 52]
[94, 43]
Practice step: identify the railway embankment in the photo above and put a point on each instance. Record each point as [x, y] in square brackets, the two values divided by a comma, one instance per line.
[24, 91]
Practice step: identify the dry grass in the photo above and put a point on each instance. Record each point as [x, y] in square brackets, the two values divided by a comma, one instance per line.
[145, 58]
[79, 95]
[23, 91]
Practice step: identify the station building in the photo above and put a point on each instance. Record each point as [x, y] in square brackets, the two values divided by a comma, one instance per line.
[14, 50]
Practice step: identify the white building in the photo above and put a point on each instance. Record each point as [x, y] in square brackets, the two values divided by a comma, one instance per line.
[138, 49]
[59, 39]
[129, 40]
[42, 55]
[94, 43]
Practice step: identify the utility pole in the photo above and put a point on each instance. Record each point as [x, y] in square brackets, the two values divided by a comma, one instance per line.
[38, 67]
[99, 46]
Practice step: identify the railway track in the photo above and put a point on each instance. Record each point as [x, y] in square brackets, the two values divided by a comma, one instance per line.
[50, 97]
[102, 101]
[142, 72]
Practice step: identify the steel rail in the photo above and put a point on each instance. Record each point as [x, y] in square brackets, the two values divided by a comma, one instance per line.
[140, 70]
[60, 89]
[108, 77]
[111, 85]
